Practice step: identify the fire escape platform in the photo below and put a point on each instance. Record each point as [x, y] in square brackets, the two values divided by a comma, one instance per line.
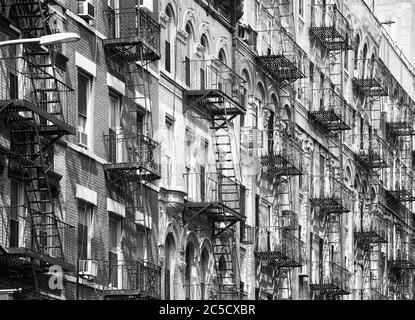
[329, 120]
[129, 49]
[329, 205]
[16, 106]
[279, 67]
[370, 87]
[18, 255]
[366, 237]
[213, 102]
[400, 129]
[277, 258]
[372, 160]
[280, 166]
[329, 288]
[216, 211]
[133, 171]
[130, 294]
[403, 195]
[331, 38]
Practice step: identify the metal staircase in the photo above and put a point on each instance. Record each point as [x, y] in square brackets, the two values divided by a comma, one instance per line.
[34, 111]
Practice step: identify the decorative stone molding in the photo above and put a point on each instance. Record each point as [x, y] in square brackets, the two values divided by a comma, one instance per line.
[174, 202]
[182, 35]
[266, 116]
[164, 18]
[181, 261]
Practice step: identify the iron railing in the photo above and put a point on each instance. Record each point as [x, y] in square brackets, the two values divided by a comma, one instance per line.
[331, 195]
[132, 151]
[374, 152]
[140, 278]
[373, 227]
[289, 63]
[335, 280]
[23, 230]
[403, 188]
[284, 157]
[330, 27]
[216, 188]
[23, 80]
[371, 77]
[333, 112]
[213, 76]
[279, 247]
[133, 26]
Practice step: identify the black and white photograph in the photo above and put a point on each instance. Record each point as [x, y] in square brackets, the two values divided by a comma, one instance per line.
[193, 151]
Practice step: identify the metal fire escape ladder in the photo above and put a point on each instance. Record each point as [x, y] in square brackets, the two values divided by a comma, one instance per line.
[223, 230]
[35, 126]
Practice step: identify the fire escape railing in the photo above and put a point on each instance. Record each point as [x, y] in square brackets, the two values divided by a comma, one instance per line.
[215, 188]
[289, 63]
[278, 247]
[373, 226]
[403, 188]
[333, 113]
[213, 87]
[374, 152]
[131, 29]
[371, 78]
[133, 152]
[285, 157]
[331, 195]
[21, 235]
[334, 281]
[331, 28]
[136, 278]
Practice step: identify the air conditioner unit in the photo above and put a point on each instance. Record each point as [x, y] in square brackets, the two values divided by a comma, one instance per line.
[86, 10]
[147, 5]
[82, 138]
[88, 268]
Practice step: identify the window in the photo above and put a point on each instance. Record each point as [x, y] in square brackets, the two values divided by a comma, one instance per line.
[114, 126]
[170, 140]
[142, 244]
[301, 7]
[84, 92]
[202, 183]
[311, 66]
[167, 57]
[114, 236]
[187, 71]
[85, 211]
[115, 27]
[16, 210]
[170, 37]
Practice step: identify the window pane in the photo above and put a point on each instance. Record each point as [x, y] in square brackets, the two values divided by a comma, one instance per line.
[187, 70]
[83, 88]
[167, 62]
[113, 234]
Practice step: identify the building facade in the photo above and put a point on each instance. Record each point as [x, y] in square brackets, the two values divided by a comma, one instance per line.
[205, 150]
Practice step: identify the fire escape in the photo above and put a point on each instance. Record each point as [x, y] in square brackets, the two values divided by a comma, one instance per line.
[133, 156]
[33, 105]
[402, 264]
[278, 250]
[214, 95]
[370, 234]
[333, 199]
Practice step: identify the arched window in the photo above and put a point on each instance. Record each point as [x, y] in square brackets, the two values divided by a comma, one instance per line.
[356, 52]
[188, 55]
[204, 42]
[170, 37]
[204, 265]
[188, 272]
[169, 252]
[364, 60]
[222, 56]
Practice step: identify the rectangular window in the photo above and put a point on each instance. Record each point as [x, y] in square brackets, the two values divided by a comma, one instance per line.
[114, 243]
[202, 79]
[311, 72]
[187, 71]
[301, 7]
[311, 255]
[84, 92]
[85, 211]
[202, 183]
[14, 86]
[16, 210]
[141, 244]
[167, 57]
